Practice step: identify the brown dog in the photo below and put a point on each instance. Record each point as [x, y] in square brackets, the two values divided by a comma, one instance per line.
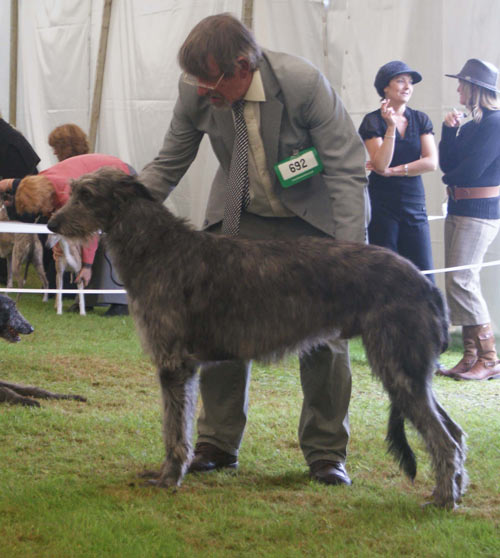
[20, 248]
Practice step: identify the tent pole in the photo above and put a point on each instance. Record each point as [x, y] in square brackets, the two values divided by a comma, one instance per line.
[247, 13]
[99, 78]
[14, 34]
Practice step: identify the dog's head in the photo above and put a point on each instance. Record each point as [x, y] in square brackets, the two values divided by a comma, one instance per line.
[97, 201]
[12, 323]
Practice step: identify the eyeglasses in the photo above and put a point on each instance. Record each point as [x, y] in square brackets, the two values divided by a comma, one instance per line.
[196, 82]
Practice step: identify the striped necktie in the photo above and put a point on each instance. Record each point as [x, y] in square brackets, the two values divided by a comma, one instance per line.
[238, 195]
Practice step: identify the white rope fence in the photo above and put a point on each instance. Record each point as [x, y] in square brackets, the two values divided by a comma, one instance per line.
[18, 227]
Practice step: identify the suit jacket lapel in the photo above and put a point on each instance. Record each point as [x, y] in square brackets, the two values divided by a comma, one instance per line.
[270, 115]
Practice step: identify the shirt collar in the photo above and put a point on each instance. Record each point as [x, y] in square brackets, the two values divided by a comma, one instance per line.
[256, 90]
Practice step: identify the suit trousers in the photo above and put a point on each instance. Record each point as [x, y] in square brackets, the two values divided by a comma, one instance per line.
[325, 377]
[466, 240]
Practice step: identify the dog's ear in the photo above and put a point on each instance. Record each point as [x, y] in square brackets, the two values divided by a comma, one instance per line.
[129, 188]
[142, 191]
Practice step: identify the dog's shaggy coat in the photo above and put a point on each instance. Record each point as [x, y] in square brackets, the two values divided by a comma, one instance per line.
[198, 297]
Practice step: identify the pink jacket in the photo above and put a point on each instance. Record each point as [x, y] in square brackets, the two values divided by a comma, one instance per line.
[61, 174]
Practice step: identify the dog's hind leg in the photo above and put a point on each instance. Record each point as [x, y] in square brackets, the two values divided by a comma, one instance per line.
[420, 409]
[405, 365]
[462, 478]
[10, 282]
[38, 264]
[179, 389]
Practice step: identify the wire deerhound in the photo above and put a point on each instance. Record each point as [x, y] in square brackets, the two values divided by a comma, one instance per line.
[198, 297]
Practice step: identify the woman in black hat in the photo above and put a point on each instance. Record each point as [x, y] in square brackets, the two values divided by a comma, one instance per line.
[469, 155]
[401, 147]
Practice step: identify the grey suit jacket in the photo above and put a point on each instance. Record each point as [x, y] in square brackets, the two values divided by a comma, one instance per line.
[301, 110]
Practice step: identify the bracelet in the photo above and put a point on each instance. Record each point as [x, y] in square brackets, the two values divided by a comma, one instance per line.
[406, 170]
[389, 137]
[87, 266]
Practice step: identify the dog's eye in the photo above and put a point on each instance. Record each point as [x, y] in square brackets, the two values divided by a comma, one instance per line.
[83, 195]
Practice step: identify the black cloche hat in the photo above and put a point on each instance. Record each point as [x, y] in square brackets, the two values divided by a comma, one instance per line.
[480, 73]
[391, 69]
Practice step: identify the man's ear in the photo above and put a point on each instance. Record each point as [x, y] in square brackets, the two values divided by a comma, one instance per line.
[243, 67]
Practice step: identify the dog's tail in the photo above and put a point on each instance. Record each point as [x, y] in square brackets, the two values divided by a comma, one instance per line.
[398, 443]
[67, 254]
[53, 240]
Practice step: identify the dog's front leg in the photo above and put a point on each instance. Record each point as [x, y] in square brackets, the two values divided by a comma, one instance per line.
[179, 389]
[81, 298]
[8, 395]
[59, 286]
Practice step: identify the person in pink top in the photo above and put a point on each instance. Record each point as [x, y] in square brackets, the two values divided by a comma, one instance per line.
[49, 190]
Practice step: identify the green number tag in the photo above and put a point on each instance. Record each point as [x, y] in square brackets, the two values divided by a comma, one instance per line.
[298, 167]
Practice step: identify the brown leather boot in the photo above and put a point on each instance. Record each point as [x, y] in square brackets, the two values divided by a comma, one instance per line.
[487, 366]
[469, 334]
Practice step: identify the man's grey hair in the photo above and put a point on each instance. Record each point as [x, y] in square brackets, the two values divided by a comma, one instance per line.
[224, 39]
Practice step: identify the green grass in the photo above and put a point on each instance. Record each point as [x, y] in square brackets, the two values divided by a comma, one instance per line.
[69, 483]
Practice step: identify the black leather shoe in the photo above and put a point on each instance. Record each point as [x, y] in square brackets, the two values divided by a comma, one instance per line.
[329, 472]
[116, 310]
[208, 457]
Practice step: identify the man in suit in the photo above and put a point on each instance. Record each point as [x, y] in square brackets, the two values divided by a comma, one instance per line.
[289, 107]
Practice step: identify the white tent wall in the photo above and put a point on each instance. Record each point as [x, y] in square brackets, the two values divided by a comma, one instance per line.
[54, 73]
[347, 39]
[4, 57]
[140, 89]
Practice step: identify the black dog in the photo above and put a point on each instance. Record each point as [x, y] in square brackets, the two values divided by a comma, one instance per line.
[12, 324]
[198, 297]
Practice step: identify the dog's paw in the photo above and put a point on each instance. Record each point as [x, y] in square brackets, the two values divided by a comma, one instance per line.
[449, 505]
[171, 485]
[27, 402]
[155, 478]
[148, 474]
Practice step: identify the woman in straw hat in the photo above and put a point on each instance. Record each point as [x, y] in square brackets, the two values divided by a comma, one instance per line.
[469, 156]
[401, 147]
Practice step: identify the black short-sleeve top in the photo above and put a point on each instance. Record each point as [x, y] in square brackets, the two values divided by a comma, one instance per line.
[406, 149]
[17, 157]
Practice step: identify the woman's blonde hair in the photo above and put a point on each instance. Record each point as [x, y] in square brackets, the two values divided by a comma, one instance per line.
[478, 98]
[35, 194]
[68, 140]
